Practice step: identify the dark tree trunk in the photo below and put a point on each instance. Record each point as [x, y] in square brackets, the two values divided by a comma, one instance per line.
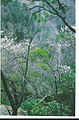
[9, 95]
[14, 111]
[56, 87]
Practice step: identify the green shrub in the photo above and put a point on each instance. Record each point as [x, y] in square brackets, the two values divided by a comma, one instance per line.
[28, 105]
[38, 108]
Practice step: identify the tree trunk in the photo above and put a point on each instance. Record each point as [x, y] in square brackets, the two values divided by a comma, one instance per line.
[14, 111]
[9, 95]
[56, 87]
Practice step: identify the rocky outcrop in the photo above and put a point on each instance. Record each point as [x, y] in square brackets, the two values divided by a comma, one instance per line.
[4, 111]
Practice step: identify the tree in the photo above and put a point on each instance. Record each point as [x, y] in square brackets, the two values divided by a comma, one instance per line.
[36, 57]
[16, 94]
[59, 68]
[54, 7]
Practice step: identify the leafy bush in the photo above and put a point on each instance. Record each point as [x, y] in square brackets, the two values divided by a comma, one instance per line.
[28, 105]
[53, 108]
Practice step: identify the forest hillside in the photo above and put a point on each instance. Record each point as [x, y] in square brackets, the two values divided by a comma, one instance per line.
[38, 57]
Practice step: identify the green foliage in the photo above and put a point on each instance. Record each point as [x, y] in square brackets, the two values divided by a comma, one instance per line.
[50, 109]
[32, 58]
[68, 80]
[39, 20]
[53, 1]
[5, 1]
[44, 66]
[28, 105]
[14, 75]
[40, 52]
[3, 97]
[42, 17]
[36, 74]
[18, 26]
[15, 20]
[46, 14]
[65, 37]
[48, 98]
[35, 16]
[67, 88]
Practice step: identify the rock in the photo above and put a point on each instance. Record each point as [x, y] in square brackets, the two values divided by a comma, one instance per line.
[4, 111]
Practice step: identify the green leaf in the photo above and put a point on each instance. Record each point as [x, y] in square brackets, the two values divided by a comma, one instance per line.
[46, 14]
[32, 58]
[40, 51]
[35, 16]
[44, 66]
[39, 20]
